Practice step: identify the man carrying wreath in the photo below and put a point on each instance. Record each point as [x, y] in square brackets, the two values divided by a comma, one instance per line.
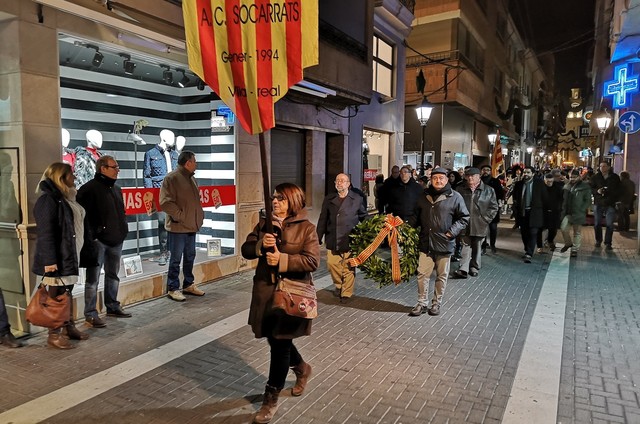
[441, 215]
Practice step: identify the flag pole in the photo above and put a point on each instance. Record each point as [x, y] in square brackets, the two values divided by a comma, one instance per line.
[268, 206]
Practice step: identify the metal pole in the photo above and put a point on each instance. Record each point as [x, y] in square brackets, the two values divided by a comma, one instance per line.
[624, 162]
[422, 152]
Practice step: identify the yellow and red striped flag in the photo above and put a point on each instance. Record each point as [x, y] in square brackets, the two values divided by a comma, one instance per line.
[497, 159]
[251, 51]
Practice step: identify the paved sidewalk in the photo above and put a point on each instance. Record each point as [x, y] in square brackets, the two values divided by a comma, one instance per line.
[197, 361]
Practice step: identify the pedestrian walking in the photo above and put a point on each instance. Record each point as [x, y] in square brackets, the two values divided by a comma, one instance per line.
[529, 201]
[605, 187]
[575, 203]
[441, 216]
[340, 213]
[293, 252]
[480, 201]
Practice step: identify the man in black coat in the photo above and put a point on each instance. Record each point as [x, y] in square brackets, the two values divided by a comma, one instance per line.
[102, 199]
[340, 213]
[529, 203]
[552, 213]
[605, 186]
[496, 185]
[403, 195]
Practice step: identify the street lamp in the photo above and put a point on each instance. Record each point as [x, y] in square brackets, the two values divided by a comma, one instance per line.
[423, 110]
[603, 120]
[492, 141]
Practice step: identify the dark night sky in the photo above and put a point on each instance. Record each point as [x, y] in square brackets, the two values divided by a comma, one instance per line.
[565, 27]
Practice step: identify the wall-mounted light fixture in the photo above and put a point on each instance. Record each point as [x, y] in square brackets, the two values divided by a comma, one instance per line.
[127, 64]
[167, 75]
[97, 57]
[185, 79]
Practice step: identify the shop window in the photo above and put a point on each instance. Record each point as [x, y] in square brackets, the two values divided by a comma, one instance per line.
[129, 98]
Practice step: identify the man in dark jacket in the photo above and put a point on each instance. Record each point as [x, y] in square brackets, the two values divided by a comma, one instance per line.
[441, 216]
[529, 203]
[552, 213]
[403, 195]
[480, 200]
[340, 213]
[102, 199]
[575, 203]
[383, 191]
[496, 185]
[605, 186]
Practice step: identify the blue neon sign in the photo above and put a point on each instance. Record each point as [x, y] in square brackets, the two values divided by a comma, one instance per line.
[227, 113]
[622, 86]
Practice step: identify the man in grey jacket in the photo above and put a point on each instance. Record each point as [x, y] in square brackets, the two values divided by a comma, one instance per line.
[480, 200]
[340, 213]
[180, 199]
[441, 216]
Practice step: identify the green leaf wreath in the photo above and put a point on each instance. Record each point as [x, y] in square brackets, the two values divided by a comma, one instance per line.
[376, 268]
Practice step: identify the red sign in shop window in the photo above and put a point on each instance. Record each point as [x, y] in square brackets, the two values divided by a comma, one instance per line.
[147, 200]
[370, 174]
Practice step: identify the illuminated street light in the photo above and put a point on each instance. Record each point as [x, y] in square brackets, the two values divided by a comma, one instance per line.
[423, 110]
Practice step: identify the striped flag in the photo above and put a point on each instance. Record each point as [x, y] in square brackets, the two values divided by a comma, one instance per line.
[497, 159]
[251, 51]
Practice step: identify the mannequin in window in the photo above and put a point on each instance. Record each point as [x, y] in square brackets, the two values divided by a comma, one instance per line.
[158, 162]
[180, 142]
[68, 155]
[86, 158]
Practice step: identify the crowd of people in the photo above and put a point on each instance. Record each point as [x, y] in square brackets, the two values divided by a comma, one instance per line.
[456, 213]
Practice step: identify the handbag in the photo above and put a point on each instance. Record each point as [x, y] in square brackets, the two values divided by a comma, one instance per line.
[46, 311]
[295, 298]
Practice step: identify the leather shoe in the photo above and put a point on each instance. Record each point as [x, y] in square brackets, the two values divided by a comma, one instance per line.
[10, 341]
[344, 299]
[95, 322]
[434, 309]
[473, 273]
[118, 313]
[458, 273]
[566, 247]
[418, 310]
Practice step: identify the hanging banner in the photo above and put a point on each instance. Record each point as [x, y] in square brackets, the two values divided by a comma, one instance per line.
[251, 51]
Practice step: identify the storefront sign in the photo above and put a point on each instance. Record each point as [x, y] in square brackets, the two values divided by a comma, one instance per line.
[147, 200]
[370, 174]
[251, 52]
[622, 87]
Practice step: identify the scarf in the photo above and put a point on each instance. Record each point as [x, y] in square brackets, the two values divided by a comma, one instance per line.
[431, 190]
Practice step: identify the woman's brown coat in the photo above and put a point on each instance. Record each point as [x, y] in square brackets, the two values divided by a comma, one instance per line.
[299, 257]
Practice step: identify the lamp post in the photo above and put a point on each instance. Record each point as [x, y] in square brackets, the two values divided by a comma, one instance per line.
[603, 120]
[423, 110]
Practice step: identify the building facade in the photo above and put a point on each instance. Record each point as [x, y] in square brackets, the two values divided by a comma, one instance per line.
[479, 76]
[121, 69]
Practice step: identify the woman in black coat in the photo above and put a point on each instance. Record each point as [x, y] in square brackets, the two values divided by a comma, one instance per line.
[294, 253]
[60, 236]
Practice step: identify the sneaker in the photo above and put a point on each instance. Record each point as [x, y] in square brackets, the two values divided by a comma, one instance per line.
[473, 273]
[566, 247]
[162, 260]
[176, 295]
[540, 250]
[527, 259]
[434, 309]
[95, 322]
[192, 290]
[418, 310]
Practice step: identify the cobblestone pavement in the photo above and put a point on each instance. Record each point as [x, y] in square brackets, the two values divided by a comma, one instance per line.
[196, 361]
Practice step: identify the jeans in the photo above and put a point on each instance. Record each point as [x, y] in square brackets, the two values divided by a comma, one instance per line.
[181, 244]
[609, 214]
[426, 265]
[284, 355]
[109, 256]
[162, 232]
